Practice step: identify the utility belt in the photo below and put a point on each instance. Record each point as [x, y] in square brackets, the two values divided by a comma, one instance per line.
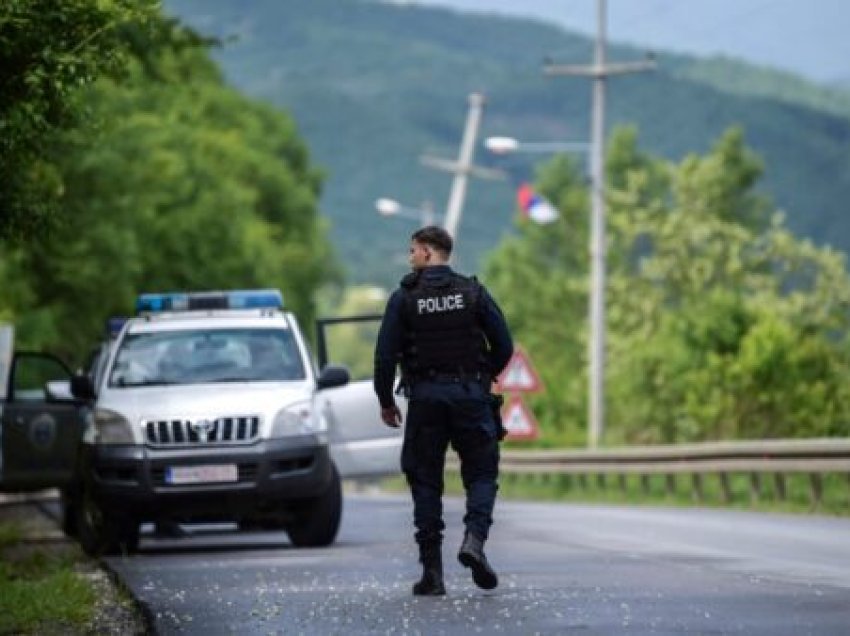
[479, 377]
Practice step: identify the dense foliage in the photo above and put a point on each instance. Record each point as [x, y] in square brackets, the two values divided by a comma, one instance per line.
[373, 85]
[721, 324]
[47, 52]
[173, 181]
[128, 165]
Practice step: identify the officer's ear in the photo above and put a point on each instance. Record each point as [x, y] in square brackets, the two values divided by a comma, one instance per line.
[428, 253]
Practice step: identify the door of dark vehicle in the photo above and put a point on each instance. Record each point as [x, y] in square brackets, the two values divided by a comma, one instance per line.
[41, 424]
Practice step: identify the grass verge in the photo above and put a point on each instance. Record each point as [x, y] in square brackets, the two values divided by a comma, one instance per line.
[41, 588]
[764, 494]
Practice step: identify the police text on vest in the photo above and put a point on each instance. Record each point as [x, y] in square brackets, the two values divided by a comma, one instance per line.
[440, 303]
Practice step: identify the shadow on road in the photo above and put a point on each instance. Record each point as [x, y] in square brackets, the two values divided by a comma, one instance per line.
[217, 540]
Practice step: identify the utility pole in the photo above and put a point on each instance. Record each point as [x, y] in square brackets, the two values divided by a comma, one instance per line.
[463, 167]
[599, 72]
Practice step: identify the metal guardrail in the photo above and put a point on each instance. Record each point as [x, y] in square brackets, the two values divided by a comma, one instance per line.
[780, 457]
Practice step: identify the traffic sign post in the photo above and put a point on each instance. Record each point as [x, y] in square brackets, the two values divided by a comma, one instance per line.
[519, 377]
[518, 420]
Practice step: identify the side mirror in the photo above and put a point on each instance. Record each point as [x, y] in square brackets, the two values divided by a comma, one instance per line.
[58, 391]
[82, 387]
[333, 375]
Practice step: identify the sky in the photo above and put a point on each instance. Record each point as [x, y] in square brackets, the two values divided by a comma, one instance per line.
[808, 37]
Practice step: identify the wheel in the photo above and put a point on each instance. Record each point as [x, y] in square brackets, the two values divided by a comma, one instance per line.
[317, 521]
[101, 532]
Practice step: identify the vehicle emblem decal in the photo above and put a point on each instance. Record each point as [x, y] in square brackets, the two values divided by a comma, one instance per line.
[42, 431]
[203, 428]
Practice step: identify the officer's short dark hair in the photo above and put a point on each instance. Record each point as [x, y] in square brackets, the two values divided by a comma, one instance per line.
[436, 237]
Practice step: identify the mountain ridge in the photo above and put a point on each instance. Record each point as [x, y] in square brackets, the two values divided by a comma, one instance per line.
[373, 86]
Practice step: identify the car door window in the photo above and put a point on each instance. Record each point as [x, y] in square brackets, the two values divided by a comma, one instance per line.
[350, 341]
[31, 372]
[361, 444]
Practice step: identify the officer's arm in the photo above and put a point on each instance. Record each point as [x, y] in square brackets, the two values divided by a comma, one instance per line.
[387, 350]
[498, 336]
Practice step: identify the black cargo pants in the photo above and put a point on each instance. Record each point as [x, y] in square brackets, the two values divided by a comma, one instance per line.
[457, 413]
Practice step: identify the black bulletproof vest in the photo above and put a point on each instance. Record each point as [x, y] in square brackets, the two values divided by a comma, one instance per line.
[442, 328]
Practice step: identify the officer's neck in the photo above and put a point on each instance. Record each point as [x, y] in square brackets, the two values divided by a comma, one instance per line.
[433, 266]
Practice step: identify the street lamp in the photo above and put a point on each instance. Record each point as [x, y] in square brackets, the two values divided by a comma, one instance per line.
[507, 145]
[391, 207]
[596, 312]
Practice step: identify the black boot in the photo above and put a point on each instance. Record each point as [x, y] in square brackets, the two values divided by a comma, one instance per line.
[431, 583]
[471, 555]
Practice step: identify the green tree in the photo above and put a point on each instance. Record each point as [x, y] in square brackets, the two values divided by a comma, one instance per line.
[537, 276]
[728, 326]
[720, 322]
[185, 185]
[48, 51]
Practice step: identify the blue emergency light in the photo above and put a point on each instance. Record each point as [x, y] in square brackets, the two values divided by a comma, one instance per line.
[114, 324]
[197, 301]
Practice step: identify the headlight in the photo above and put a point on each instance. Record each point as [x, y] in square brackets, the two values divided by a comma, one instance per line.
[109, 427]
[297, 419]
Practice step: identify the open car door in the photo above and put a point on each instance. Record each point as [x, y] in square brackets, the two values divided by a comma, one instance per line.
[360, 443]
[41, 424]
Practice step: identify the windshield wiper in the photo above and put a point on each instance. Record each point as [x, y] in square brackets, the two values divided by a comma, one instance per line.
[124, 383]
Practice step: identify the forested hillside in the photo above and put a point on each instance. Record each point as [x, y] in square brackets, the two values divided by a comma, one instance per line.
[372, 86]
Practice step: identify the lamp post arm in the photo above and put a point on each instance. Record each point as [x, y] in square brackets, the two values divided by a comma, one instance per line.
[553, 146]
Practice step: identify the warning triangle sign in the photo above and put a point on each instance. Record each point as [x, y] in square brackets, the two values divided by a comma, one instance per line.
[519, 376]
[519, 421]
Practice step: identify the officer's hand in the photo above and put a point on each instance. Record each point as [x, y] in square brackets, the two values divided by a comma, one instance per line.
[391, 416]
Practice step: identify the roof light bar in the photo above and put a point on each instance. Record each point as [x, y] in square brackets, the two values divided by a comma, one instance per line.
[198, 301]
[114, 324]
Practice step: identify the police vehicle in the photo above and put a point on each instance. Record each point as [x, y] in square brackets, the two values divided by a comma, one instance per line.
[208, 407]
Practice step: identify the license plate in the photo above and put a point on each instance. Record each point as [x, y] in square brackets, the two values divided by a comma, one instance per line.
[207, 474]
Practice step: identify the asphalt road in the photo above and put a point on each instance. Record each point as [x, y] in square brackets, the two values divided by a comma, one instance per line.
[563, 568]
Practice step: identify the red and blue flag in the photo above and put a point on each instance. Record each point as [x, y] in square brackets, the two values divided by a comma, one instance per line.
[535, 207]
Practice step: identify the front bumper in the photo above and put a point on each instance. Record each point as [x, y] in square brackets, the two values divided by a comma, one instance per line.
[273, 475]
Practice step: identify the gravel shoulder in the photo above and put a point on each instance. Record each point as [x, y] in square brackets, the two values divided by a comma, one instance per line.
[37, 535]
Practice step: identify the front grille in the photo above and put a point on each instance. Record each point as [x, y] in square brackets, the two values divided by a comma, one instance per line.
[202, 431]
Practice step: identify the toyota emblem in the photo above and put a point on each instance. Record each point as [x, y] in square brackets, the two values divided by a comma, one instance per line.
[203, 428]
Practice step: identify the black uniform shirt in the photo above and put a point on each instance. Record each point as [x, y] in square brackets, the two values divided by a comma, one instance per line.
[391, 336]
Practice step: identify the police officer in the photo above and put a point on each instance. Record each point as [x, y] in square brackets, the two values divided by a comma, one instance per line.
[451, 340]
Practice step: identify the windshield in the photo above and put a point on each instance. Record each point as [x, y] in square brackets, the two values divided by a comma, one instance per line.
[208, 355]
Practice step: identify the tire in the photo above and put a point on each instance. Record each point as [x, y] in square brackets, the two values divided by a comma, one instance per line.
[100, 531]
[317, 521]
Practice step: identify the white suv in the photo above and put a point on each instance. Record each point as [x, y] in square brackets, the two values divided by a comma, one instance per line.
[207, 408]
